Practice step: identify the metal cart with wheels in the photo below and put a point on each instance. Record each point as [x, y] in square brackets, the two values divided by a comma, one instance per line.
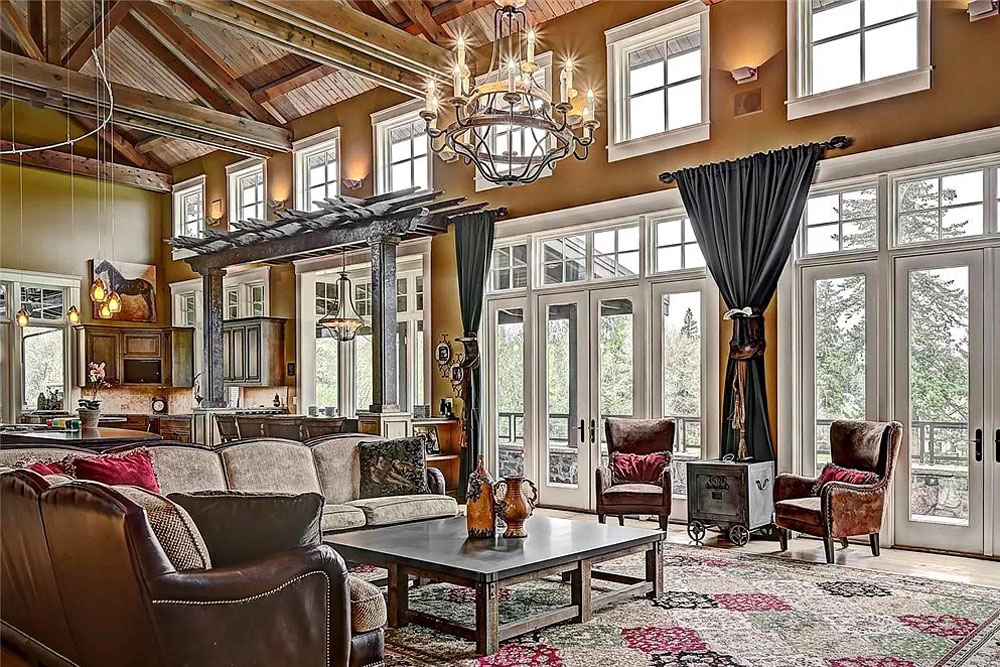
[734, 497]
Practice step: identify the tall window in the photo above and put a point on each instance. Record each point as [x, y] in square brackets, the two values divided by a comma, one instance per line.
[247, 190]
[940, 207]
[317, 169]
[188, 309]
[843, 220]
[232, 303]
[659, 81]
[403, 157]
[327, 349]
[188, 203]
[255, 299]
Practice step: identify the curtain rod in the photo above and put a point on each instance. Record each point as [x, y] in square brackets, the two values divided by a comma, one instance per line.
[838, 142]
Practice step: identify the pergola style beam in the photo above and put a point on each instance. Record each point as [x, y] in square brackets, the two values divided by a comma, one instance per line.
[59, 88]
[22, 33]
[80, 52]
[332, 34]
[85, 166]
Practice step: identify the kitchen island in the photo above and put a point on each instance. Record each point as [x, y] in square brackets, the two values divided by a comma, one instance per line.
[97, 439]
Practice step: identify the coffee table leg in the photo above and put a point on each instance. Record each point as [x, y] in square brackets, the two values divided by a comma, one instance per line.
[399, 596]
[580, 589]
[487, 619]
[654, 568]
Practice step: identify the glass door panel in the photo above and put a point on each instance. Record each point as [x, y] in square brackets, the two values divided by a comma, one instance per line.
[615, 363]
[939, 389]
[508, 360]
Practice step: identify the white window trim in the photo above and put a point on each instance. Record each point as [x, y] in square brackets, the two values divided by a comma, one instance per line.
[543, 60]
[654, 28]
[671, 215]
[236, 171]
[302, 150]
[382, 122]
[801, 104]
[511, 291]
[177, 194]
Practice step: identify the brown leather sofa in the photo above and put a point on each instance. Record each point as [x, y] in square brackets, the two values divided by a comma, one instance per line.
[841, 510]
[636, 436]
[86, 582]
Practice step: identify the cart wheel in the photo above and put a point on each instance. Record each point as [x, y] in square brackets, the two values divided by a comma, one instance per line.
[696, 531]
[739, 535]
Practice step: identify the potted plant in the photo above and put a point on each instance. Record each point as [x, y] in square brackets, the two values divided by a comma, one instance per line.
[90, 408]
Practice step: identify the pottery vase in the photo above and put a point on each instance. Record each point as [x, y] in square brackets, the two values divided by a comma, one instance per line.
[89, 418]
[480, 505]
[514, 506]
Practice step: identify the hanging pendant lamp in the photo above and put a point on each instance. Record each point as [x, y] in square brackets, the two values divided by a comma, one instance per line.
[105, 311]
[98, 292]
[114, 302]
[22, 318]
[73, 315]
[344, 321]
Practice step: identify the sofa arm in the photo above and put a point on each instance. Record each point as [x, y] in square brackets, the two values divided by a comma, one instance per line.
[666, 483]
[602, 480]
[852, 509]
[788, 486]
[289, 608]
[435, 481]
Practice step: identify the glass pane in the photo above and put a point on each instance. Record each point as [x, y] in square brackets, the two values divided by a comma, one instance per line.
[916, 195]
[43, 354]
[686, 66]
[628, 263]
[399, 176]
[891, 49]
[563, 412]
[962, 221]
[858, 234]
[419, 396]
[327, 374]
[519, 277]
[646, 115]
[575, 270]
[402, 366]
[628, 238]
[645, 69]
[962, 188]
[420, 172]
[839, 337]
[363, 369]
[668, 233]
[399, 150]
[604, 242]
[877, 11]
[823, 238]
[501, 258]
[614, 333]
[825, 208]
[939, 395]
[916, 227]
[859, 204]
[669, 258]
[692, 256]
[684, 105]
[836, 20]
[510, 390]
[836, 64]
[680, 373]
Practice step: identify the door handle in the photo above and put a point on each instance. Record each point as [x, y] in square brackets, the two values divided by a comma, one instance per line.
[979, 444]
[583, 428]
[996, 445]
[593, 431]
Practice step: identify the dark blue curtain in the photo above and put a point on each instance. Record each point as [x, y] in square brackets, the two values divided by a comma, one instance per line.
[473, 247]
[745, 214]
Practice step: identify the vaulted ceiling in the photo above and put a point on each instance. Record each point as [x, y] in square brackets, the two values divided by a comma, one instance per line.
[202, 52]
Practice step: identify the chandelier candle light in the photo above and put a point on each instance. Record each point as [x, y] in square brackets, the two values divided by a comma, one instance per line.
[508, 126]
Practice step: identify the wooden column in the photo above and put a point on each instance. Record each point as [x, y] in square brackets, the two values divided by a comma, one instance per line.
[215, 393]
[385, 391]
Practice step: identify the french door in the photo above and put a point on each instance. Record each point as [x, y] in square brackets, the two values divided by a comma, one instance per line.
[589, 367]
[945, 391]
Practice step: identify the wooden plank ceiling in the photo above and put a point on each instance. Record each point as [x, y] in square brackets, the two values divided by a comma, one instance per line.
[184, 55]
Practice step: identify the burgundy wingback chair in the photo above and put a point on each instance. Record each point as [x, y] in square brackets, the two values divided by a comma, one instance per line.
[842, 510]
[636, 436]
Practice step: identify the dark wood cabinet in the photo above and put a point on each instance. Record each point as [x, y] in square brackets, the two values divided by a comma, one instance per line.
[101, 347]
[142, 344]
[175, 428]
[137, 355]
[253, 351]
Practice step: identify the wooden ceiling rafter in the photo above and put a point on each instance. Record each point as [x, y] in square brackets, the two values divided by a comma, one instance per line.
[81, 51]
[52, 18]
[121, 144]
[22, 32]
[418, 13]
[447, 11]
[290, 82]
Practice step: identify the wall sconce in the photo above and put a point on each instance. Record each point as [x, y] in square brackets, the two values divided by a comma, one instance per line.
[981, 9]
[277, 204]
[352, 183]
[215, 212]
[744, 74]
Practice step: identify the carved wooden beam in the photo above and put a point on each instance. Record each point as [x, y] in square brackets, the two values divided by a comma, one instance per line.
[84, 166]
[59, 88]
[80, 52]
[21, 31]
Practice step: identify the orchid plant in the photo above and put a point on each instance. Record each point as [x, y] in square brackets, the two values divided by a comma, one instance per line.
[96, 375]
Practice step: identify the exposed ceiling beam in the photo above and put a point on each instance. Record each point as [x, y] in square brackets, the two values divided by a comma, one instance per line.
[333, 34]
[80, 52]
[175, 65]
[86, 166]
[52, 12]
[59, 88]
[202, 59]
[371, 8]
[21, 30]
[448, 11]
[121, 145]
[36, 22]
[418, 13]
[291, 82]
[153, 143]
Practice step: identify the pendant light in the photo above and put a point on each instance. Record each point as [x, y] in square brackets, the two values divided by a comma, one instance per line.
[114, 302]
[22, 318]
[344, 321]
[73, 315]
[105, 311]
[98, 292]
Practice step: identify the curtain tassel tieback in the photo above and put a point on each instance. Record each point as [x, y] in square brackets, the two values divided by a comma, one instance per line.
[746, 311]
[747, 343]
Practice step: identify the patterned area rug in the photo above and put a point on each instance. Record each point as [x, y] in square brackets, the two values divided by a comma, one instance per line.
[728, 609]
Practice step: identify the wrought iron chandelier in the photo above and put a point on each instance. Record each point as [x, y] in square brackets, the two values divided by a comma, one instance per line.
[508, 125]
[344, 321]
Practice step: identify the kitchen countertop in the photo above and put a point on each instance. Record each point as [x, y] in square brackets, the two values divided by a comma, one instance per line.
[91, 438]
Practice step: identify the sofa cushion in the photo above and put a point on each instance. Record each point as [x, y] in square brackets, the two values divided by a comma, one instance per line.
[338, 465]
[130, 468]
[174, 529]
[180, 469]
[835, 473]
[270, 466]
[367, 605]
[341, 517]
[393, 467]
[398, 509]
[633, 494]
[801, 510]
[638, 468]
[18, 457]
[241, 527]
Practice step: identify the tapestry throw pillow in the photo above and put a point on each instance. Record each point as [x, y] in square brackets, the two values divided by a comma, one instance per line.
[834, 473]
[638, 468]
[174, 529]
[240, 527]
[393, 467]
[131, 468]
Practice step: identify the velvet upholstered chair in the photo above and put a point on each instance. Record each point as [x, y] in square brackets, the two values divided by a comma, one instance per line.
[621, 497]
[863, 454]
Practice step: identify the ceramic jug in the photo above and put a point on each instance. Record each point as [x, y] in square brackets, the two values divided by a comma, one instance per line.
[480, 506]
[513, 505]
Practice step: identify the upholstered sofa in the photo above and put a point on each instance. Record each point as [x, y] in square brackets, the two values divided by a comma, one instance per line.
[97, 575]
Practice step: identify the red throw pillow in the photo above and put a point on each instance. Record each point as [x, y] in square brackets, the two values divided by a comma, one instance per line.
[638, 468]
[48, 468]
[131, 468]
[834, 473]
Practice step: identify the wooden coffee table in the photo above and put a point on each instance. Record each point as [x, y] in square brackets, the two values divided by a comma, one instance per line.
[441, 550]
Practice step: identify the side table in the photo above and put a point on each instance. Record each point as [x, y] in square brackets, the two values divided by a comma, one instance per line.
[734, 496]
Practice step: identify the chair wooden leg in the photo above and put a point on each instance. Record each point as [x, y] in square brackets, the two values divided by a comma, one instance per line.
[783, 539]
[843, 542]
[828, 546]
[621, 519]
[873, 540]
[664, 522]
[601, 518]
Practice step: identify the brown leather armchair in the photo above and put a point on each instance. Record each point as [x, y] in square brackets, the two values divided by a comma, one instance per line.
[841, 510]
[86, 582]
[636, 436]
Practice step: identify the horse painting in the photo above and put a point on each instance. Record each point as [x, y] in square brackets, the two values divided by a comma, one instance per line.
[135, 283]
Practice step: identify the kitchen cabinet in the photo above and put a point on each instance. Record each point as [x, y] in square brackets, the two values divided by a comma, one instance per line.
[137, 355]
[253, 351]
[101, 346]
[175, 427]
